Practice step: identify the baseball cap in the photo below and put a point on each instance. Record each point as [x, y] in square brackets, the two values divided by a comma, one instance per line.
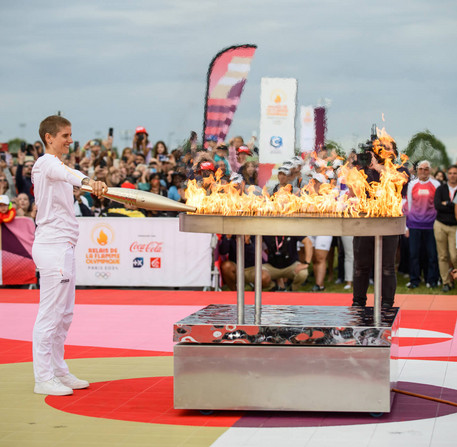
[236, 178]
[207, 166]
[297, 161]
[141, 129]
[4, 200]
[222, 146]
[128, 185]
[319, 177]
[284, 170]
[211, 138]
[244, 150]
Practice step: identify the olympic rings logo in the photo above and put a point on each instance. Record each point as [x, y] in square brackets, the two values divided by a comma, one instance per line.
[102, 275]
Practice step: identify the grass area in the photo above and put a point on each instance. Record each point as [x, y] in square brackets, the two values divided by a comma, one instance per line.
[402, 280]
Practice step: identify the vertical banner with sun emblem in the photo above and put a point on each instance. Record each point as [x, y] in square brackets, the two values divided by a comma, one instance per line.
[277, 119]
[119, 251]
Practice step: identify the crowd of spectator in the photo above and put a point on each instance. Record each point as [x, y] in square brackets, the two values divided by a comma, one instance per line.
[427, 252]
[143, 165]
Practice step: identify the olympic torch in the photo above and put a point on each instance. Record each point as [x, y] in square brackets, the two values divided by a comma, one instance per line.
[143, 199]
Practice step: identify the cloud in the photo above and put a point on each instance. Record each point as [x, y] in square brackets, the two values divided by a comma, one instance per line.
[117, 63]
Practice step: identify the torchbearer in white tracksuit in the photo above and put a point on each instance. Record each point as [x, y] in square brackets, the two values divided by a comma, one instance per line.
[53, 253]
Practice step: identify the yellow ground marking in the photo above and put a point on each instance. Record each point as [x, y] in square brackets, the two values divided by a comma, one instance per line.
[26, 420]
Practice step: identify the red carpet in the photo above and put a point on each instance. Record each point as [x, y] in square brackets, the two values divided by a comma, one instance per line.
[150, 399]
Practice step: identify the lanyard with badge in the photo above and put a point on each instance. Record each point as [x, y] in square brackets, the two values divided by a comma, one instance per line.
[278, 246]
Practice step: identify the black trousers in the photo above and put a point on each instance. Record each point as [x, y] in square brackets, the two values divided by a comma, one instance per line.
[364, 263]
[422, 244]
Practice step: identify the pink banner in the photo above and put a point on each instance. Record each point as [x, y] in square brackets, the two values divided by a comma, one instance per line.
[227, 75]
[16, 252]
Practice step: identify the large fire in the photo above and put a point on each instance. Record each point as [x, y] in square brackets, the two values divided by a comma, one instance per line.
[375, 199]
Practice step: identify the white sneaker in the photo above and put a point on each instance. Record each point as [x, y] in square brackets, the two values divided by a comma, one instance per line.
[347, 287]
[73, 382]
[52, 387]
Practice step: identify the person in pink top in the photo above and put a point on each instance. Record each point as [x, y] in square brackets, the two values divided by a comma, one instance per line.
[53, 252]
[234, 144]
[238, 154]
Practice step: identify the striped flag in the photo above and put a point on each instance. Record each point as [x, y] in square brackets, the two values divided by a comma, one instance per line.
[226, 77]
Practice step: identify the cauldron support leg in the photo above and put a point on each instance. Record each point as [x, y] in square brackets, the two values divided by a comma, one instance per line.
[240, 277]
[377, 279]
[258, 279]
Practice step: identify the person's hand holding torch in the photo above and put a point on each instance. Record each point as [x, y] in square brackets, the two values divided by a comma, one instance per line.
[98, 188]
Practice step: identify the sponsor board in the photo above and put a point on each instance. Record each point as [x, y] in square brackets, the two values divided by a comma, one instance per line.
[118, 251]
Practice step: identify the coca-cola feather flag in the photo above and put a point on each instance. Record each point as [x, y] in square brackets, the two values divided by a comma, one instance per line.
[226, 77]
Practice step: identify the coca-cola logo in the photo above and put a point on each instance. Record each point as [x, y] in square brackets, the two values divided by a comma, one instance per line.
[150, 247]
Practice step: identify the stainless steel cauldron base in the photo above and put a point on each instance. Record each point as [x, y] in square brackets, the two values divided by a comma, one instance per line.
[288, 325]
[282, 378]
[240, 358]
[330, 372]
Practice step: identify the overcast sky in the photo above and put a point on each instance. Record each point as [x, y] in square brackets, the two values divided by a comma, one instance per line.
[123, 64]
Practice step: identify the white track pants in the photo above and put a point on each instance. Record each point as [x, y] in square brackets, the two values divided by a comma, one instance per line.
[56, 264]
[348, 257]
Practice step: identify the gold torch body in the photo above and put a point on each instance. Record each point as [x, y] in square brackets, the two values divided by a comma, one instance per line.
[143, 199]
